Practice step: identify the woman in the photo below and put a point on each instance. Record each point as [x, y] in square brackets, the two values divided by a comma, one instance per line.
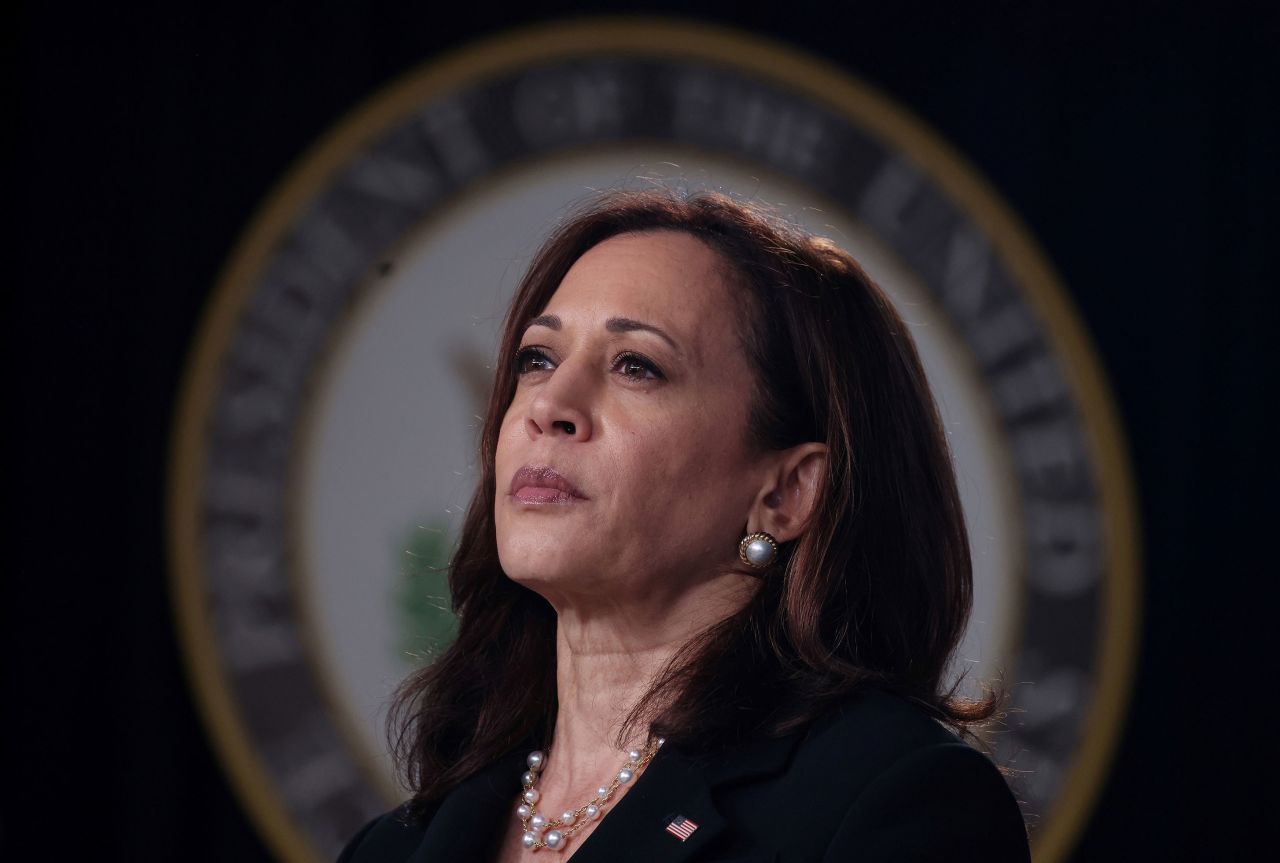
[712, 576]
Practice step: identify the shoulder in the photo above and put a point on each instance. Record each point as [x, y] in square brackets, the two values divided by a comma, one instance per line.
[391, 836]
[867, 733]
[882, 722]
[945, 801]
[894, 783]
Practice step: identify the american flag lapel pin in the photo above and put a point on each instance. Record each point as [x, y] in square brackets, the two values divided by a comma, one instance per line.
[682, 828]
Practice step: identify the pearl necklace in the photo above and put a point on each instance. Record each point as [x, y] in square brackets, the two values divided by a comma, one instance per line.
[539, 832]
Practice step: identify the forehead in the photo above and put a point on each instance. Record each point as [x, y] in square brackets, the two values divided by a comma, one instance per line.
[665, 277]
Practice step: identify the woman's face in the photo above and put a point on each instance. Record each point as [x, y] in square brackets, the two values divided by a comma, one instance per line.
[633, 388]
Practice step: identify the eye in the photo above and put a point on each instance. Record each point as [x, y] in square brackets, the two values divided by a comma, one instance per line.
[636, 367]
[531, 359]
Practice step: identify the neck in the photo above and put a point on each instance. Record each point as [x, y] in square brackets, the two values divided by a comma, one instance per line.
[599, 679]
[606, 659]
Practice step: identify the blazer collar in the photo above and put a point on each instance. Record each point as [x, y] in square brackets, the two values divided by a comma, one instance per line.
[676, 783]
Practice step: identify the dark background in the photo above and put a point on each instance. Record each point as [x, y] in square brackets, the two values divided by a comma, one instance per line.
[1138, 145]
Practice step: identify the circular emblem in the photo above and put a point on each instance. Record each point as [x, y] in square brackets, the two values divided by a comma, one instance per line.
[324, 447]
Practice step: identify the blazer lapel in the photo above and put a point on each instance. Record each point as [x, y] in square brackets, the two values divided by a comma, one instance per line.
[469, 821]
[679, 785]
[636, 828]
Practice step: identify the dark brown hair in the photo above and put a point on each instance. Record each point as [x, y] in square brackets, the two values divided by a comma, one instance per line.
[875, 592]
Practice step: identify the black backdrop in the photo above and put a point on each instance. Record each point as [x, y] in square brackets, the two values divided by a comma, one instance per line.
[1138, 146]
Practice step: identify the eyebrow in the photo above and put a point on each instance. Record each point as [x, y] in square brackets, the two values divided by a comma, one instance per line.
[613, 325]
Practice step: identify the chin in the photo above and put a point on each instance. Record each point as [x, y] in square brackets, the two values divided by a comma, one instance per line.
[539, 566]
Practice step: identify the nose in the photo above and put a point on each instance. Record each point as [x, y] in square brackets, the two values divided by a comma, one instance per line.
[561, 407]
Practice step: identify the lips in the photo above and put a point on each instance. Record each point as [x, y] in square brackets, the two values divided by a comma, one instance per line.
[541, 484]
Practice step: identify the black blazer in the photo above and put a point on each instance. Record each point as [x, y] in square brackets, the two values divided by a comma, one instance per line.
[875, 779]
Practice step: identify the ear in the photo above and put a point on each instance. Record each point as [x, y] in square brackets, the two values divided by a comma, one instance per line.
[789, 492]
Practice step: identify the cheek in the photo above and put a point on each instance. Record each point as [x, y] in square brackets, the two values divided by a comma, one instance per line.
[686, 468]
[506, 459]
[510, 426]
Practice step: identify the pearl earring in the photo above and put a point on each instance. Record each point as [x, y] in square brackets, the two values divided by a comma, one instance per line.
[758, 550]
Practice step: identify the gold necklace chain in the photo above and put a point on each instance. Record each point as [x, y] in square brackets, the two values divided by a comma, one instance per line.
[540, 832]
